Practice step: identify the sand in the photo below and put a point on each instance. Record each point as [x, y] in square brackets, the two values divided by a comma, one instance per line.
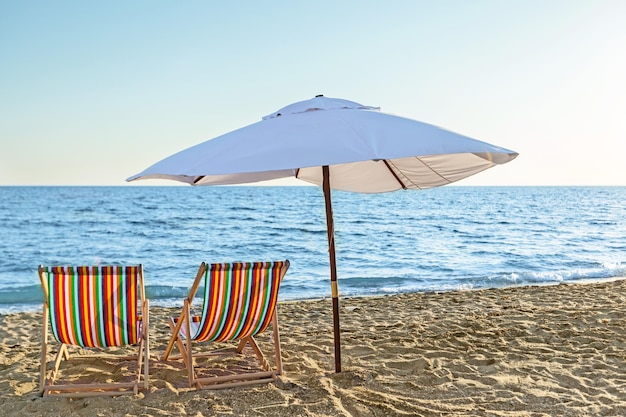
[528, 351]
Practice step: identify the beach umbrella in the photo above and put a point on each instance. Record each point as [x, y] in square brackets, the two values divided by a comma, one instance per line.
[338, 144]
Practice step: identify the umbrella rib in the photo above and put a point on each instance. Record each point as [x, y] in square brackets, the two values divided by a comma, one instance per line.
[434, 171]
[404, 187]
[394, 174]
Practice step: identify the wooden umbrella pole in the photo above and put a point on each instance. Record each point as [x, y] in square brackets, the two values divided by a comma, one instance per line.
[333, 265]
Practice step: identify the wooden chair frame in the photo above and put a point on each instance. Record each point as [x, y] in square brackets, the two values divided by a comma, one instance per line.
[185, 346]
[141, 380]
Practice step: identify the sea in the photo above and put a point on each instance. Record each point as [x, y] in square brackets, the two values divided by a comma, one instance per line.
[442, 239]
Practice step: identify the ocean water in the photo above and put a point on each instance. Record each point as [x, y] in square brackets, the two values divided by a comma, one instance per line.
[441, 239]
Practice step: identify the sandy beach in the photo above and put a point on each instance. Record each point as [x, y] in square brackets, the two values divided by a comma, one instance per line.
[528, 351]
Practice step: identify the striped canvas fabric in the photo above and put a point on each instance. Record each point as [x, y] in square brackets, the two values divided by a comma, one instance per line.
[94, 306]
[239, 300]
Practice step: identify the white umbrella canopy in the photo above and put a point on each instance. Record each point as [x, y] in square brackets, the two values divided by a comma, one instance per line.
[367, 151]
[337, 144]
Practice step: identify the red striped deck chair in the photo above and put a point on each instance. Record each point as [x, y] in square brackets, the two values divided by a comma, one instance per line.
[99, 308]
[239, 303]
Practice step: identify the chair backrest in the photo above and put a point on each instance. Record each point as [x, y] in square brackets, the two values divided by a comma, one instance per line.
[94, 306]
[239, 299]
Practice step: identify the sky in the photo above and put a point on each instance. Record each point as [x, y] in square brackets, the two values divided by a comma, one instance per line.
[94, 92]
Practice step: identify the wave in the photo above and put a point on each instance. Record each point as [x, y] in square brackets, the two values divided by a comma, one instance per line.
[30, 298]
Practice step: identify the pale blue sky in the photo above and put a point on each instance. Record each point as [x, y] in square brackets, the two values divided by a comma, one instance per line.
[93, 92]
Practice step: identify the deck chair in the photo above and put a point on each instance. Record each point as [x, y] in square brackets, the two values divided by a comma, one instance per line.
[98, 308]
[239, 303]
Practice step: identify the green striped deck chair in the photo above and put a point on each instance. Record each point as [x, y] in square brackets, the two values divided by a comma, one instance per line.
[100, 308]
[239, 302]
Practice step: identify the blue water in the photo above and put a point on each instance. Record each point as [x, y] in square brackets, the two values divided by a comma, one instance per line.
[435, 240]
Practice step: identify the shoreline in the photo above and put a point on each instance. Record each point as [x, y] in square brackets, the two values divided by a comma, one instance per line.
[169, 302]
[539, 350]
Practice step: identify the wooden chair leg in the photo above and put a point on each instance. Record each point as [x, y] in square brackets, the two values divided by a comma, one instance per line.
[242, 345]
[189, 362]
[61, 354]
[66, 352]
[188, 344]
[175, 327]
[145, 327]
[259, 354]
[276, 335]
[139, 362]
[44, 350]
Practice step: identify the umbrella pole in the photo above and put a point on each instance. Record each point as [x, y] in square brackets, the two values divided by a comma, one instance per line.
[333, 264]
